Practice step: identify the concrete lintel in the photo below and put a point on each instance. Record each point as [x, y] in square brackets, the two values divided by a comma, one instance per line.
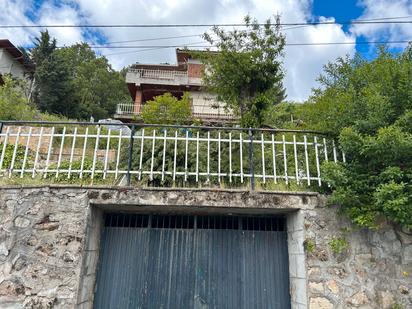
[132, 199]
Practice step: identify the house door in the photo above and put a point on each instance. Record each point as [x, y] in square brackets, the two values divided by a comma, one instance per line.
[167, 261]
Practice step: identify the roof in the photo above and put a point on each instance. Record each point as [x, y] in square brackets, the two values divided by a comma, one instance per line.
[182, 55]
[14, 52]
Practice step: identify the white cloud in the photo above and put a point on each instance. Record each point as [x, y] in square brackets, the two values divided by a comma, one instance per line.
[23, 12]
[51, 14]
[302, 64]
[12, 13]
[388, 8]
[305, 63]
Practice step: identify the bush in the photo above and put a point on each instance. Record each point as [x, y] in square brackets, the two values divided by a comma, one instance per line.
[167, 109]
[338, 244]
[13, 102]
[75, 176]
[8, 156]
[368, 104]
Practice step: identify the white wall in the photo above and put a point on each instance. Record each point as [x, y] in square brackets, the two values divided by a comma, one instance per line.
[205, 103]
[9, 65]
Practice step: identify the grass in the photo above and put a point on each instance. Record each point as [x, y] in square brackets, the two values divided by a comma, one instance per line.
[27, 180]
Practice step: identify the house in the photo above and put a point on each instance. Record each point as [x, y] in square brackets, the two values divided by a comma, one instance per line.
[12, 61]
[146, 81]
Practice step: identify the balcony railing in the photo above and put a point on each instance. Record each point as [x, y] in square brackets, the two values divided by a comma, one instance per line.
[161, 76]
[127, 109]
[156, 155]
[200, 111]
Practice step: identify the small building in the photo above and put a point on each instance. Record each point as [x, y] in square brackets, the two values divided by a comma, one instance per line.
[146, 81]
[12, 61]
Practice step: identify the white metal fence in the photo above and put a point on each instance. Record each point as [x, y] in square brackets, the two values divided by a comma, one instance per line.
[201, 111]
[126, 109]
[163, 155]
[160, 74]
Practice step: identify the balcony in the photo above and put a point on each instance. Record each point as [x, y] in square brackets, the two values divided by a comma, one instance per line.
[160, 77]
[208, 113]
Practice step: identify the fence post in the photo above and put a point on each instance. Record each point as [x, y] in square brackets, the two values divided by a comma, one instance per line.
[251, 167]
[1, 127]
[129, 163]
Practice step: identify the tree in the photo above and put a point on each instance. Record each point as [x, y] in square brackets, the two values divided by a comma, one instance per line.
[369, 105]
[52, 80]
[74, 82]
[97, 87]
[54, 88]
[44, 46]
[167, 109]
[246, 73]
[13, 102]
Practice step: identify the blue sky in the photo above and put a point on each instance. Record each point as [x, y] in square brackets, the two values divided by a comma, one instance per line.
[341, 10]
[302, 64]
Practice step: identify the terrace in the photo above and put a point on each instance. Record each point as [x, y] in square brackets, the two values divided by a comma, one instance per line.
[161, 77]
[205, 112]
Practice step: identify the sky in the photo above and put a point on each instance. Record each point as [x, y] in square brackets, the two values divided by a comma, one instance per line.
[302, 64]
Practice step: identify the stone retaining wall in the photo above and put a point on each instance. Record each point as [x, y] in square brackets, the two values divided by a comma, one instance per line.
[46, 260]
[373, 271]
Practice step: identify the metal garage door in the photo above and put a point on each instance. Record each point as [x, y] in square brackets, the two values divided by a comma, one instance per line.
[159, 261]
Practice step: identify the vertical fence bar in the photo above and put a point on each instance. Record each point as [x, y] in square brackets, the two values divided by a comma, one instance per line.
[174, 157]
[49, 153]
[307, 159]
[164, 154]
[26, 152]
[152, 157]
[72, 152]
[84, 152]
[96, 148]
[251, 166]
[230, 157]
[36, 158]
[16, 146]
[325, 149]
[263, 159]
[186, 152]
[274, 158]
[141, 156]
[3, 153]
[119, 145]
[106, 156]
[197, 156]
[130, 156]
[315, 141]
[208, 157]
[285, 162]
[241, 156]
[295, 153]
[335, 156]
[59, 160]
[218, 157]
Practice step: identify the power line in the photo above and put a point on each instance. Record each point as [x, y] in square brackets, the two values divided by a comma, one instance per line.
[354, 22]
[287, 44]
[146, 48]
[175, 37]
[157, 39]
[201, 34]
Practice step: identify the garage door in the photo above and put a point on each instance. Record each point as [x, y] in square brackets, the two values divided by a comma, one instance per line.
[166, 261]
